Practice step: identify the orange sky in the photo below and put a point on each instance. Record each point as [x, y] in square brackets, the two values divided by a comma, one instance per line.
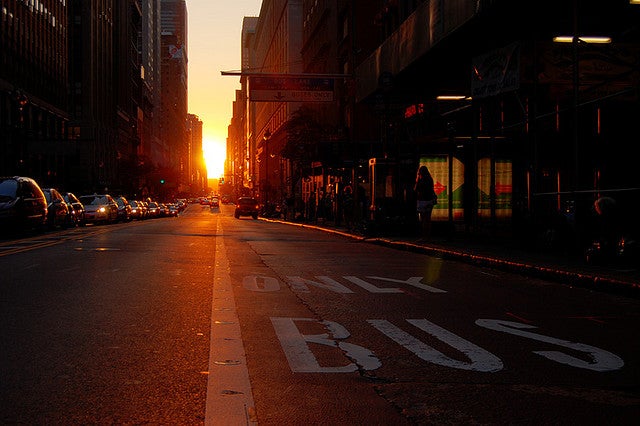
[215, 28]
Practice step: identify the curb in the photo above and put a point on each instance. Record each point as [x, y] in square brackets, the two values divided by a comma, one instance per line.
[584, 280]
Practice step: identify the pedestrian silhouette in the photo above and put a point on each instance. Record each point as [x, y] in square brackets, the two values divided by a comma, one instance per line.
[426, 199]
[348, 206]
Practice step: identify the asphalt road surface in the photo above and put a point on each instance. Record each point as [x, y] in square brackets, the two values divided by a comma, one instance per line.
[207, 319]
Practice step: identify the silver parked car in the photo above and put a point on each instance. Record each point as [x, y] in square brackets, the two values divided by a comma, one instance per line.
[99, 208]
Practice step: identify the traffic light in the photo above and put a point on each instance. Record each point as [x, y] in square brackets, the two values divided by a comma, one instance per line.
[222, 180]
[162, 181]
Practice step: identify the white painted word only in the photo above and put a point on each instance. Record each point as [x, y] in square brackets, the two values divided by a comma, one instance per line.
[268, 284]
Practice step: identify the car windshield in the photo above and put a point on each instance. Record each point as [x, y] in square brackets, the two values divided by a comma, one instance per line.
[92, 200]
[246, 201]
[8, 189]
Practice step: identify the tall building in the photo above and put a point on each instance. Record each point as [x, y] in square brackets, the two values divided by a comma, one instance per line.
[129, 104]
[238, 146]
[337, 36]
[277, 48]
[93, 98]
[106, 95]
[174, 86]
[537, 129]
[522, 132]
[150, 150]
[34, 87]
[80, 85]
[196, 167]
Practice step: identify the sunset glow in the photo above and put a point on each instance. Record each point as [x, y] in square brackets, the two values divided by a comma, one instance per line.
[214, 156]
[215, 30]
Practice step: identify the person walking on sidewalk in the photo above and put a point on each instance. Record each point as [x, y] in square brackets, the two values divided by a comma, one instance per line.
[426, 199]
[348, 207]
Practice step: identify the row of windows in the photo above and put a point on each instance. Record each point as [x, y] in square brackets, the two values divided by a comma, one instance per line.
[38, 9]
[32, 31]
[41, 124]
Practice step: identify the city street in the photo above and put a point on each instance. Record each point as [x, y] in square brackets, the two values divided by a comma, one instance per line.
[208, 319]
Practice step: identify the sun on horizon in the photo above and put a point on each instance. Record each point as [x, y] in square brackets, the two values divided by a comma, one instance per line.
[214, 153]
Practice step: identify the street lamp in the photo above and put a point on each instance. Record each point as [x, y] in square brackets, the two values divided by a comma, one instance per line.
[266, 137]
[575, 41]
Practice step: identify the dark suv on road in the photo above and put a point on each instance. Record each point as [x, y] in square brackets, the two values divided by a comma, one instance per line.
[247, 206]
[22, 204]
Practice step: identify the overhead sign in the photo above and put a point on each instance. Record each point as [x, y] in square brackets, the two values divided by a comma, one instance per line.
[496, 72]
[290, 89]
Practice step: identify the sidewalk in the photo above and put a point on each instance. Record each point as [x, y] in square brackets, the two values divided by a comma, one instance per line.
[568, 269]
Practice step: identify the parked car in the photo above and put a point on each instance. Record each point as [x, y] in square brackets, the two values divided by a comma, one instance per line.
[124, 209]
[174, 209]
[76, 208]
[247, 206]
[164, 209]
[144, 206]
[137, 209]
[58, 214]
[22, 204]
[153, 210]
[182, 204]
[100, 208]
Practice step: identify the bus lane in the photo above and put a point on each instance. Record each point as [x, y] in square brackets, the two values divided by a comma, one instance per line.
[282, 395]
[424, 338]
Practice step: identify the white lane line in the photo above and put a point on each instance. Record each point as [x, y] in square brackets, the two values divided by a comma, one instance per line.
[229, 397]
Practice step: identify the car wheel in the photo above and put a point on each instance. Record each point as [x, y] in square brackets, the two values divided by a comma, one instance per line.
[237, 216]
[70, 222]
[254, 216]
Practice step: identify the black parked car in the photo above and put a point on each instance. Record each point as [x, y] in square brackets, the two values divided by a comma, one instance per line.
[22, 204]
[57, 209]
[76, 208]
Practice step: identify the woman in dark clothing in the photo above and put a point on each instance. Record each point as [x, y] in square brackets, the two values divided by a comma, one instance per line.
[426, 199]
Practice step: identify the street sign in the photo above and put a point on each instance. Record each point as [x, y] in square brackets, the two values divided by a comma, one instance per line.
[290, 89]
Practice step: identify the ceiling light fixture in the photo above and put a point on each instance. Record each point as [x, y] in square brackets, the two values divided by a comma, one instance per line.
[584, 39]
